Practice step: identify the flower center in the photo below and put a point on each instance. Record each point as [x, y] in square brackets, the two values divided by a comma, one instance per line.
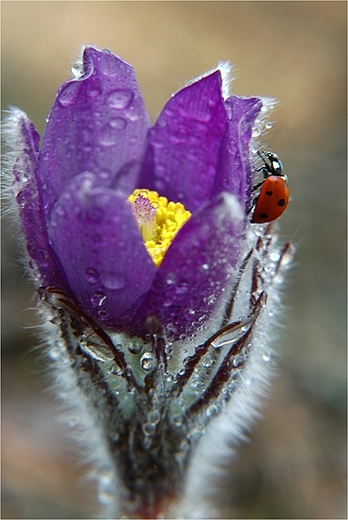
[158, 221]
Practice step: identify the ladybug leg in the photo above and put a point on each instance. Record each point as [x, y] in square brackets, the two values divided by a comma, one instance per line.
[253, 204]
[257, 186]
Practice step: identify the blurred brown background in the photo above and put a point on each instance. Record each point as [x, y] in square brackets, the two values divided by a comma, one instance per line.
[295, 466]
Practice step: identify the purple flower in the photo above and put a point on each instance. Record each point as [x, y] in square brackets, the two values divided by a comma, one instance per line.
[97, 148]
[156, 291]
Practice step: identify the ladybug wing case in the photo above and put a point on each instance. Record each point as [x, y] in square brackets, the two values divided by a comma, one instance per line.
[272, 201]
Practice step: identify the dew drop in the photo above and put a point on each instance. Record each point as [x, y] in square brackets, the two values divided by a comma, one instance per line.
[212, 410]
[68, 94]
[266, 357]
[60, 211]
[135, 348]
[239, 360]
[94, 88]
[91, 275]
[103, 314]
[207, 363]
[182, 288]
[133, 114]
[118, 123]
[147, 361]
[114, 281]
[275, 256]
[120, 98]
[54, 354]
[108, 136]
[148, 428]
[109, 65]
[97, 352]
[115, 370]
[177, 420]
[104, 174]
[154, 417]
[168, 349]
[77, 69]
[105, 497]
[98, 298]
[171, 328]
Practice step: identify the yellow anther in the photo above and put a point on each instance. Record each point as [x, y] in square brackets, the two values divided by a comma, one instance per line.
[158, 220]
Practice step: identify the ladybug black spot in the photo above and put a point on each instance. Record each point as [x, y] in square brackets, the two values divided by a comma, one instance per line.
[263, 215]
[281, 202]
[269, 193]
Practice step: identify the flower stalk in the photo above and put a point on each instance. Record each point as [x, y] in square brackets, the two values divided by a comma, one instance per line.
[156, 314]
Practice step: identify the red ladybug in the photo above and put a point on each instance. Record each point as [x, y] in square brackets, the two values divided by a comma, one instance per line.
[274, 194]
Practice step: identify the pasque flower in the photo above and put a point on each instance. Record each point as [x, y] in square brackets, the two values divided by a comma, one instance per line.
[140, 242]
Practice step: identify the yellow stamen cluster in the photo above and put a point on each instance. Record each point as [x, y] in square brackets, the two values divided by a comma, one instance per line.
[158, 220]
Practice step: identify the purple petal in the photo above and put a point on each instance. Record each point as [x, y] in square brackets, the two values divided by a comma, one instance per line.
[98, 124]
[43, 260]
[182, 153]
[199, 267]
[98, 242]
[234, 172]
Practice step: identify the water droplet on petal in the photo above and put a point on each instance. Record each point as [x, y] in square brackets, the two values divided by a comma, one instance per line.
[60, 211]
[98, 298]
[118, 123]
[94, 88]
[103, 314]
[182, 288]
[120, 98]
[171, 278]
[77, 69]
[108, 136]
[113, 281]
[68, 94]
[91, 275]
[109, 65]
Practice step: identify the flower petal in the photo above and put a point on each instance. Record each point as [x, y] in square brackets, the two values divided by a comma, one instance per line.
[234, 172]
[200, 266]
[98, 242]
[21, 136]
[183, 147]
[98, 124]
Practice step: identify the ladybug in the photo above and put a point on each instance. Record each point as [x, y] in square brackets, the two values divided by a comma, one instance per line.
[274, 194]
